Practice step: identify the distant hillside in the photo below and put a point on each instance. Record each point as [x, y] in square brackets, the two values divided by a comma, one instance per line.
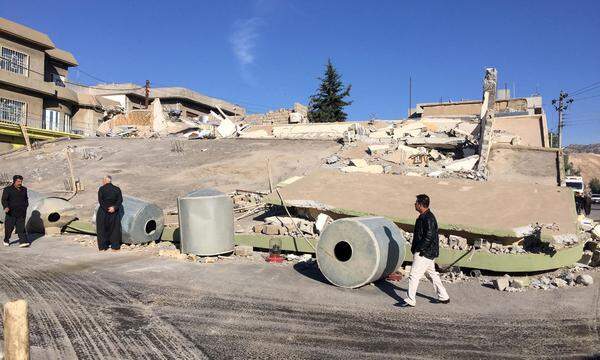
[589, 148]
[589, 164]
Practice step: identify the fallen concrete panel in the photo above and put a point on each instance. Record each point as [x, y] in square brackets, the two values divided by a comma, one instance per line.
[463, 258]
[496, 210]
[435, 142]
[465, 164]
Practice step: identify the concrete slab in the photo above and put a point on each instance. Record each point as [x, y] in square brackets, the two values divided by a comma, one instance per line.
[492, 209]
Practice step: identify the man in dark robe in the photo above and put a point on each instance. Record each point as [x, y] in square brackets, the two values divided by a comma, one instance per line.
[15, 202]
[108, 217]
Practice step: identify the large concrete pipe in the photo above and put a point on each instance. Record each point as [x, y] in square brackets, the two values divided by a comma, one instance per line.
[353, 252]
[141, 221]
[206, 223]
[46, 212]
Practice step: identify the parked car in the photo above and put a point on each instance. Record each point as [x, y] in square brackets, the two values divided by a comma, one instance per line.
[596, 198]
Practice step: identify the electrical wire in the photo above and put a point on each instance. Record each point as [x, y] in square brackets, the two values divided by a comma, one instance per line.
[249, 105]
[68, 81]
[587, 97]
[586, 88]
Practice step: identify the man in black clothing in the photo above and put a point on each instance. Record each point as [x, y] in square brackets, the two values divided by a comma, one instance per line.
[14, 203]
[108, 217]
[425, 248]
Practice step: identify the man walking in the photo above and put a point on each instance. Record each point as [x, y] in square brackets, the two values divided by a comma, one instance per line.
[14, 203]
[425, 248]
[108, 217]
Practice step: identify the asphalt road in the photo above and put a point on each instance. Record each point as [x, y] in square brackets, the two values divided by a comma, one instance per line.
[130, 305]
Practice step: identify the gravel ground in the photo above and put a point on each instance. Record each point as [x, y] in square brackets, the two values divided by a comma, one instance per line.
[137, 305]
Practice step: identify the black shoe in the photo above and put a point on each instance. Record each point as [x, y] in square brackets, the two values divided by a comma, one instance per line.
[444, 301]
[102, 249]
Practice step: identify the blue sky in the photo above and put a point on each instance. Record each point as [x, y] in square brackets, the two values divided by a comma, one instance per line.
[266, 54]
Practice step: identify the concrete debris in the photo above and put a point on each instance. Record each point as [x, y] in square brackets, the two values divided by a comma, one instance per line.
[463, 164]
[360, 163]
[436, 142]
[401, 155]
[299, 258]
[596, 232]
[226, 128]
[322, 221]
[520, 282]
[243, 250]
[501, 283]
[287, 223]
[377, 149]
[586, 224]
[585, 279]
[370, 169]
[332, 159]
[559, 283]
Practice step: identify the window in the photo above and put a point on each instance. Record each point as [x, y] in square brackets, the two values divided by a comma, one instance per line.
[14, 61]
[58, 80]
[51, 120]
[12, 110]
[67, 123]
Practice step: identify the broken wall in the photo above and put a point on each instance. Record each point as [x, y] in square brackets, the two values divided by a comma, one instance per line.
[532, 129]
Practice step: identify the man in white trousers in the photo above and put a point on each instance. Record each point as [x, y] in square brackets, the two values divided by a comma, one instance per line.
[425, 248]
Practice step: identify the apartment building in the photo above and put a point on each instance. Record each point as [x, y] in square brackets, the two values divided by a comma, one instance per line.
[33, 72]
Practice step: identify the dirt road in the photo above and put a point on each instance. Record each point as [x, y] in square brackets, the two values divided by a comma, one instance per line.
[130, 306]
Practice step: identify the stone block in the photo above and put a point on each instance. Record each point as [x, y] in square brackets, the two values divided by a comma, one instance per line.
[585, 279]
[464, 164]
[243, 250]
[376, 149]
[361, 163]
[560, 283]
[501, 283]
[272, 229]
[519, 283]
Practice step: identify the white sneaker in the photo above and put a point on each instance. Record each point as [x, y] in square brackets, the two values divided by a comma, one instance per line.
[6, 243]
[408, 302]
[24, 245]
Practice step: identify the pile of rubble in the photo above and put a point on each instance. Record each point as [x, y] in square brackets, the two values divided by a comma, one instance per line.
[293, 226]
[442, 148]
[564, 279]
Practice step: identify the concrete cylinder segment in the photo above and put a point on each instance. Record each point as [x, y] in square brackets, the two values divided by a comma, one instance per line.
[353, 252]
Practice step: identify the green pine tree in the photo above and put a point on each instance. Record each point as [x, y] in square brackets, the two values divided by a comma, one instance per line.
[327, 105]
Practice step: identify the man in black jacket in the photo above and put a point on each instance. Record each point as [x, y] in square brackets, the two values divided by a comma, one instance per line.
[14, 203]
[425, 248]
[108, 217]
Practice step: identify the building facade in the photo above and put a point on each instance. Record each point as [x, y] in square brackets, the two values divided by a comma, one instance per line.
[33, 73]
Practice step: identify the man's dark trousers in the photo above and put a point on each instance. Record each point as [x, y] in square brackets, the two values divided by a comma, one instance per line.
[10, 222]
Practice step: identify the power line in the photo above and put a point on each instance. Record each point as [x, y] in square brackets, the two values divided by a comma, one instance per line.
[587, 97]
[67, 81]
[586, 88]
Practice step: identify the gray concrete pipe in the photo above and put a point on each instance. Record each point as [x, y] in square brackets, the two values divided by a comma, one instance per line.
[353, 252]
[206, 223]
[46, 212]
[141, 221]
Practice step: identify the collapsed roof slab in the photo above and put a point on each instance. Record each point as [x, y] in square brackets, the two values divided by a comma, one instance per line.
[500, 210]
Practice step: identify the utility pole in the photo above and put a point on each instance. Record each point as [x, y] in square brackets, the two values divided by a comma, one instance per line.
[147, 92]
[561, 104]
